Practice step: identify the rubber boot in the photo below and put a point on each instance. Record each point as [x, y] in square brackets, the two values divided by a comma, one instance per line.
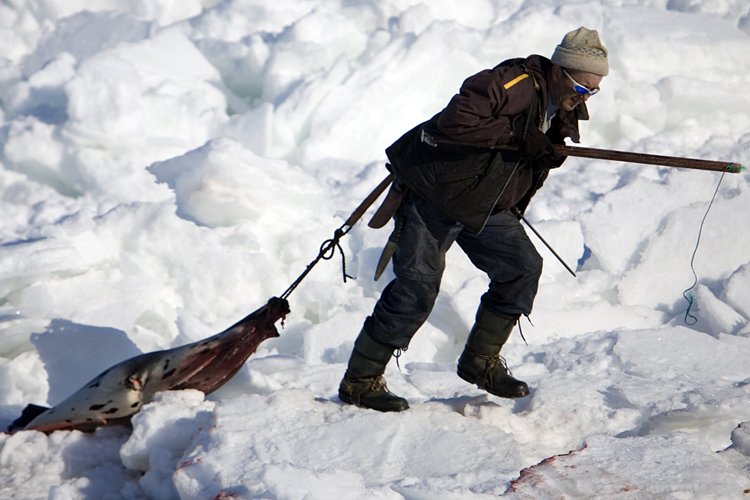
[481, 363]
[363, 384]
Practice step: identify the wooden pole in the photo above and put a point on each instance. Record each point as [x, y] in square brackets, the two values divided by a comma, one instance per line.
[648, 159]
[374, 195]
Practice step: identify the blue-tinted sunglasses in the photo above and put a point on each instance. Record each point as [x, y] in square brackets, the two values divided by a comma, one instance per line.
[580, 89]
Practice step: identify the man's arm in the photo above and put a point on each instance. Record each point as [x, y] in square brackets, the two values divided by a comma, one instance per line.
[480, 114]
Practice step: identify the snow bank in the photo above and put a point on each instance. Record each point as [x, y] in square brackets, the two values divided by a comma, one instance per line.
[166, 167]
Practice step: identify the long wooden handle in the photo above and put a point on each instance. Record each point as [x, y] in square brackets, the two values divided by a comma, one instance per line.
[648, 159]
[374, 195]
[600, 154]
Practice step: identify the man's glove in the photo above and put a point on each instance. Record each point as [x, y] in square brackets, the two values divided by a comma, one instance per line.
[536, 145]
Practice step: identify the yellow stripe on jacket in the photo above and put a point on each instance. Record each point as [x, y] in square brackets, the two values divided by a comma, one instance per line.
[515, 81]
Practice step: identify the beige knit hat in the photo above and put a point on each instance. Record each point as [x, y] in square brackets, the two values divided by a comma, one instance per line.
[582, 50]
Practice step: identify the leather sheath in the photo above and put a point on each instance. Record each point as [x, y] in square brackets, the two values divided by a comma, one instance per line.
[388, 208]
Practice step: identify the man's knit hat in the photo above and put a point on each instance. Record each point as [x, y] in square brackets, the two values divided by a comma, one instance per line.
[582, 50]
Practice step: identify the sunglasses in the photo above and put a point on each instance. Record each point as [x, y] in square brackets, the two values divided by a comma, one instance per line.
[580, 89]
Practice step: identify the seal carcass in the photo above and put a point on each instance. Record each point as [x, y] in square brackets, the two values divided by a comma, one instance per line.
[119, 392]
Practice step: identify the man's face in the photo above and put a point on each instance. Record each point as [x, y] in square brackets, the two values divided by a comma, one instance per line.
[569, 98]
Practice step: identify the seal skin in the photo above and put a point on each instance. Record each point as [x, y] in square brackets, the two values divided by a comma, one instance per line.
[119, 392]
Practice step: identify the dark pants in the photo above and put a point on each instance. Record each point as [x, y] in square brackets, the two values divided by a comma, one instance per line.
[502, 250]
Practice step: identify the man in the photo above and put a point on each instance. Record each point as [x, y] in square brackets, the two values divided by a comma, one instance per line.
[465, 176]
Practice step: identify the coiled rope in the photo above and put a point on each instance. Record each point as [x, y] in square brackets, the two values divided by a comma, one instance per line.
[328, 247]
[327, 251]
[691, 319]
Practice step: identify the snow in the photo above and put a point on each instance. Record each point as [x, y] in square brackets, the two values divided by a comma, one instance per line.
[166, 167]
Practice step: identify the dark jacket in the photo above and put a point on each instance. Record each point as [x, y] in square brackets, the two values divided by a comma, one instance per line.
[464, 160]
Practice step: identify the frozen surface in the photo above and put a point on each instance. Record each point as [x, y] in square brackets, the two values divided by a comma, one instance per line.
[166, 167]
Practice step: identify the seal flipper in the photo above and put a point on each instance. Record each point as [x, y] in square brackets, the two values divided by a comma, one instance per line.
[27, 415]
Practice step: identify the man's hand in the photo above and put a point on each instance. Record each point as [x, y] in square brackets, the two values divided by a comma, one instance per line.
[535, 145]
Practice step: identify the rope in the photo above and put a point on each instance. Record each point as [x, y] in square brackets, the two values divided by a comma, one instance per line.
[520, 330]
[691, 319]
[397, 354]
[327, 251]
[328, 247]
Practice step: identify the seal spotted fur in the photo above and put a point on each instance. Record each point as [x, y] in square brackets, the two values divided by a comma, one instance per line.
[119, 392]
